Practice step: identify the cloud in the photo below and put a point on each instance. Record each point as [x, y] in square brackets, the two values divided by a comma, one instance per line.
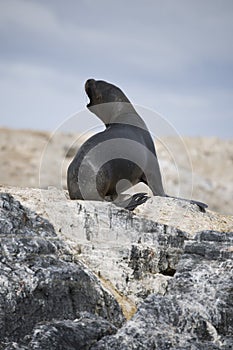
[175, 56]
[158, 38]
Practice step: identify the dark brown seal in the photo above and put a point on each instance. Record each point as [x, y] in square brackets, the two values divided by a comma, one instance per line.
[119, 157]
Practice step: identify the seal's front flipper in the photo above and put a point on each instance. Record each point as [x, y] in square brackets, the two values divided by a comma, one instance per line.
[201, 205]
[135, 200]
[132, 202]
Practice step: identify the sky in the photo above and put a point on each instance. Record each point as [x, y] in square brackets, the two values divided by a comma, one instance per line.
[174, 57]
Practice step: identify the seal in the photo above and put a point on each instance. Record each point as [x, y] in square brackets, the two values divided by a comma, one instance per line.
[121, 156]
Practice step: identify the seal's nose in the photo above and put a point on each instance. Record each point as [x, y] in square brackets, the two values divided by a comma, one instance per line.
[89, 83]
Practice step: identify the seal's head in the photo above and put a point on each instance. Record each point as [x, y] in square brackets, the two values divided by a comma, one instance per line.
[107, 101]
[100, 91]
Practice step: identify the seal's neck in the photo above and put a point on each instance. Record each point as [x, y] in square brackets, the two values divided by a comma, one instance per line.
[118, 113]
[130, 119]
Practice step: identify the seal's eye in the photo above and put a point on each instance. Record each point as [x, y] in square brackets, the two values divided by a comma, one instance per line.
[98, 98]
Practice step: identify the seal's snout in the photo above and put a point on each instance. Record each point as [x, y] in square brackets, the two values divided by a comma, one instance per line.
[89, 83]
[90, 88]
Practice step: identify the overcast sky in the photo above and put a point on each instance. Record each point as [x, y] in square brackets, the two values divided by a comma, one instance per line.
[171, 56]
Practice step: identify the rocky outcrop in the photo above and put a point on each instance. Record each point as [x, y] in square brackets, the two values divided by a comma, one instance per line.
[80, 333]
[196, 311]
[40, 279]
[134, 254]
[62, 280]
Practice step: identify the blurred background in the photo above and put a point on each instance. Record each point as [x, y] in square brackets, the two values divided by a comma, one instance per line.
[175, 57]
[172, 57]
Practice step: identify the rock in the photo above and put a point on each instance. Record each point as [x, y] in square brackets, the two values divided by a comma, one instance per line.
[40, 278]
[173, 284]
[197, 310]
[79, 334]
[134, 254]
[109, 240]
[184, 216]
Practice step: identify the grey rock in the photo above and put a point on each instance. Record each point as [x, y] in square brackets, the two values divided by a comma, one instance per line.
[190, 310]
[197, 310]
[133, 253]
[14, 346]
[39, 277]
[79, 334]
